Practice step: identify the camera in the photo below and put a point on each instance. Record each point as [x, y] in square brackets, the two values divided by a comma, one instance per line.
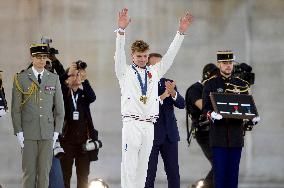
[46, 40]
[92, 145]
[244, 71]
[58, 151]
[53, 51]
[48, 66]
[81, 64]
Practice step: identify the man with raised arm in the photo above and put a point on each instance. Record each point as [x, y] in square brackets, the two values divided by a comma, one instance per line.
[139, 99]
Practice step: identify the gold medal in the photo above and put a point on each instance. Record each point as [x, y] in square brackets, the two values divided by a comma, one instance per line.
[143, 99]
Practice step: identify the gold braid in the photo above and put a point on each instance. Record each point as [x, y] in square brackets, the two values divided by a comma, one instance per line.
[241, 89]
[32, 90]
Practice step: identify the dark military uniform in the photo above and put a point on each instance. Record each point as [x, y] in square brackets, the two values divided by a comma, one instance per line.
[225, 132]
[226, 135]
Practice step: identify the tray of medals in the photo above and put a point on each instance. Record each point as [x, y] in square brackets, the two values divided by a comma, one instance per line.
[237, 106]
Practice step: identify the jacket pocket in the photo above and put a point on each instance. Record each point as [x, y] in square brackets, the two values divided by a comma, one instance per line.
[51, 120]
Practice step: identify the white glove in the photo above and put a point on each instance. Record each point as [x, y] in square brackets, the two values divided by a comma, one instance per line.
[20, 137]
[2, 112]
[55, 137]
[215, 116]
[255, 120]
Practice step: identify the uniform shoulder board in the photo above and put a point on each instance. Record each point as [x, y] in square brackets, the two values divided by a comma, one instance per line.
[243, 80]
[204, 81]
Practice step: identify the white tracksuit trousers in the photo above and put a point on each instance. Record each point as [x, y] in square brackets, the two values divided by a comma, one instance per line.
[137, 142]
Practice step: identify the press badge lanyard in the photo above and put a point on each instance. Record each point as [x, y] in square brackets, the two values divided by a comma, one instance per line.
[75, 99]
[143, 87]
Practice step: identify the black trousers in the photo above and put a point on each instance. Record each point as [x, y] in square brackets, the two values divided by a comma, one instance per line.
[82, 163]
[202, 138]
[169, 153]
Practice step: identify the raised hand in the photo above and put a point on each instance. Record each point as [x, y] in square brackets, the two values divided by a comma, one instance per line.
[185, 22]
[83, 74]
[73, 69]
[123, 19]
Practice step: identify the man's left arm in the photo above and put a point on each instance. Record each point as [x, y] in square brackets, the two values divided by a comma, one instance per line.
[168, 58]
[58, 107]
[88, 91]
[177, 100]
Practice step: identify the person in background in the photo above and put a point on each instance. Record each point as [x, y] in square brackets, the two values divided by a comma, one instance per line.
[79, 138]
[166, 135]
[200, 124]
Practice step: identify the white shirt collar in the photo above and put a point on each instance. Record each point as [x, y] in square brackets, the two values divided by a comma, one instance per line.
[37, 73]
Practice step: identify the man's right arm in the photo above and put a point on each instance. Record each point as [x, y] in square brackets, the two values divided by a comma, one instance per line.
[120, 57]
[195, 97]
[16, 112]
[198, 104]
[58, 67]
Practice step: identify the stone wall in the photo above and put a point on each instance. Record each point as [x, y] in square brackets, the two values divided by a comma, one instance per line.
[253, 29]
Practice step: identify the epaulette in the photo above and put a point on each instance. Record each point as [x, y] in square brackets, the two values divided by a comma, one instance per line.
[204, 81]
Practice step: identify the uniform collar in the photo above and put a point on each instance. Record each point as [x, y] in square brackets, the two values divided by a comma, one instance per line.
[37, 73]
[225, 78]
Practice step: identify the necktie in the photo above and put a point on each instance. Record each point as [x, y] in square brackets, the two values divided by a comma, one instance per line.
[38, 78]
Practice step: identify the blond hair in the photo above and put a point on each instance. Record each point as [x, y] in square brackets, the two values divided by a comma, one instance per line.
[139, 46]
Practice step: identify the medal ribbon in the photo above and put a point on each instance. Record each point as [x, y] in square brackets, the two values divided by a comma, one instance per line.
[142, 86]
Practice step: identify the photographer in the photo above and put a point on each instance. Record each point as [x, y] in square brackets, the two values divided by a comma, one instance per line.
[200, 125]
[55, 174]
[79, 139]
[3, 102]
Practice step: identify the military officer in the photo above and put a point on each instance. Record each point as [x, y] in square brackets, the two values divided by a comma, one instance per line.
[37, 116]
[226, 135]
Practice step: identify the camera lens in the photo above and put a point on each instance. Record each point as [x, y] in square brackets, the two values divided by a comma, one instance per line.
[81, 64]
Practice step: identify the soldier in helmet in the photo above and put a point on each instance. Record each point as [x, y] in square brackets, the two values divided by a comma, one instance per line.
[226, 135]
[37, 115]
